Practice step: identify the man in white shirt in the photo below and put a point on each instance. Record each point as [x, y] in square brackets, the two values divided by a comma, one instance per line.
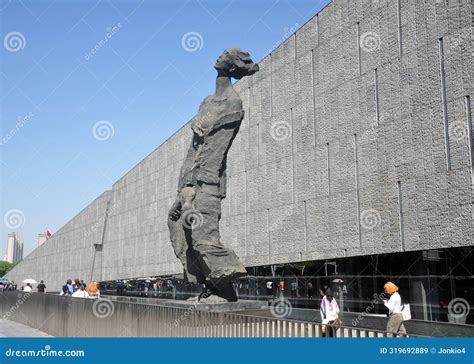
[329, 312]
[80, 293]
[27, 288]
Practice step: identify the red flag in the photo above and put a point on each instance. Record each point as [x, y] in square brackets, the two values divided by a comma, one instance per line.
[48, 234]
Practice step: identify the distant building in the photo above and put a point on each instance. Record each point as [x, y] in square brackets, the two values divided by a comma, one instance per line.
[14, 249]
[42, 238]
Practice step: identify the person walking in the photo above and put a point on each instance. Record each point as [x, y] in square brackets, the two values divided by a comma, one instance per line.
[310, 290]
[281, 288]
[395, 318]
[294, 288]
[41, 287]
[329, 312]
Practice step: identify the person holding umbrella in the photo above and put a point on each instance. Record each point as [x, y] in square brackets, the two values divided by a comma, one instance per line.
[28, 283]
[27, 288]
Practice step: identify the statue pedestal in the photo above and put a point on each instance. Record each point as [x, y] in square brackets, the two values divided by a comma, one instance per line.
[241, 305]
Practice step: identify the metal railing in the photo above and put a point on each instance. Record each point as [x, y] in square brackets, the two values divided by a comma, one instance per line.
[78, 317]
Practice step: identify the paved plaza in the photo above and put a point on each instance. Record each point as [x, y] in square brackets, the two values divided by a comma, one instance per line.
[13, 329]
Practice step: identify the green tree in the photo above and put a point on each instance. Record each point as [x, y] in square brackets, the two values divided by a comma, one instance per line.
[5, 267]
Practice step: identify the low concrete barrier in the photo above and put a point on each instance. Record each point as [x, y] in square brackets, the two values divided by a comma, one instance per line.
[76, 317]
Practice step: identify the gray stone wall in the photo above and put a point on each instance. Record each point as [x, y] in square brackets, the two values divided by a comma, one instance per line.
[69, 253]
[355, 141]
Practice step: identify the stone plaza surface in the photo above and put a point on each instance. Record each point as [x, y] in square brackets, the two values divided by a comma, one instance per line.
[355, 141]
[14, 329]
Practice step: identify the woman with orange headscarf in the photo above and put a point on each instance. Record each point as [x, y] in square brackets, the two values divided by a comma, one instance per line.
[395, 317]
[93, 290]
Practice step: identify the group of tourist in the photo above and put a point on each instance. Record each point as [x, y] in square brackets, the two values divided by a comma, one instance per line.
[7, 286]
[73, 287]
[77, 288]
[329, 308]
[41, 287]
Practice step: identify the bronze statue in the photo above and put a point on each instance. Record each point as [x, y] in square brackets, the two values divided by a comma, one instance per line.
[193, 220]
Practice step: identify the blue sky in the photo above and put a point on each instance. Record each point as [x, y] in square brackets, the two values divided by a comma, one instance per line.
[151, 68]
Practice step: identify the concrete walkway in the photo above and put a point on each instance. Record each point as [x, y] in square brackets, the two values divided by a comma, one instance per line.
[14, 329]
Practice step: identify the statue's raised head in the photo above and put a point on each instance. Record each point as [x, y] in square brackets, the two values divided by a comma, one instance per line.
[235, 63]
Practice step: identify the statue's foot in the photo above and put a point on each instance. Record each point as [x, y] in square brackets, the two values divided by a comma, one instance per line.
[213, 299]
[220, 294]
[224, 289]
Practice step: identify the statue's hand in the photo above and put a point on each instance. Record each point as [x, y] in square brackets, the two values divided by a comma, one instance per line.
[175, 211]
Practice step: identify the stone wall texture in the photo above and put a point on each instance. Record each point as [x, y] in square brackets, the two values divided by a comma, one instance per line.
[357, 139]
